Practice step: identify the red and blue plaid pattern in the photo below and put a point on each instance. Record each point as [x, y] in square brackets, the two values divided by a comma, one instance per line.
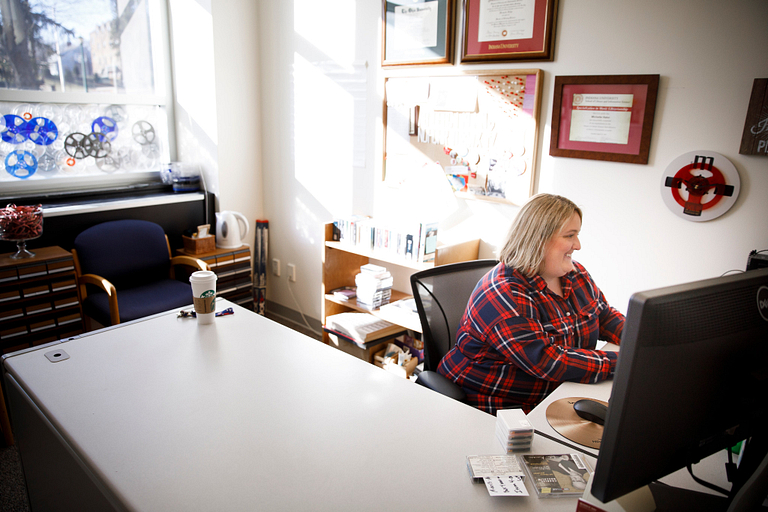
[518, 341]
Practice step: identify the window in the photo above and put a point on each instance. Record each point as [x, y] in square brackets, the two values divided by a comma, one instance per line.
[82, 89]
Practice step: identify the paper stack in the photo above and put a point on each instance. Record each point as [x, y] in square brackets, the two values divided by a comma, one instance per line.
[513, 430]
[374, 286]
[361, 327]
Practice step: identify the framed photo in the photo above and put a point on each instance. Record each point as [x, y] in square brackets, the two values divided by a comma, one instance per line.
[606, 117]
[507, 30]
[417, 32]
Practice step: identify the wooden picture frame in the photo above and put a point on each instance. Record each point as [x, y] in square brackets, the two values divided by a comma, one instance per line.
[496, 33]
[417, 32]
[608, 117]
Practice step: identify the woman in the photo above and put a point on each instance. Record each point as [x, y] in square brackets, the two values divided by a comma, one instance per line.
[534, 320]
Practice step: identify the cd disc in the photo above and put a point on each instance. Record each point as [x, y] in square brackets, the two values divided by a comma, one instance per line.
[563, 418]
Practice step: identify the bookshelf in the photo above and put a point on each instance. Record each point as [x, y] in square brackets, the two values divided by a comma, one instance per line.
[342, 262]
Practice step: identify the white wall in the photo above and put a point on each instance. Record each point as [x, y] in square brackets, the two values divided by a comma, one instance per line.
[218, 121]
[313, 129]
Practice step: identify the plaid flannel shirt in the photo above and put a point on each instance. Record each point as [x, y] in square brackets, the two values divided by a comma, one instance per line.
[518, 340]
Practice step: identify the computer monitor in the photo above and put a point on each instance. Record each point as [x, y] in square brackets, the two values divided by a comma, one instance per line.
[691, 379]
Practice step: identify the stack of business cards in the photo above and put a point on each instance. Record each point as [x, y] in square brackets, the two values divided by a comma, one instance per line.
[513, 430]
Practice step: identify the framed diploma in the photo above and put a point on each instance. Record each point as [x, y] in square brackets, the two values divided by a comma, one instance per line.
[507, 30]
[417, 32]
[604, 117]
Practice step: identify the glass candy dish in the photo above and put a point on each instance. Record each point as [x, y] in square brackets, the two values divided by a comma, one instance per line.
[19, 224]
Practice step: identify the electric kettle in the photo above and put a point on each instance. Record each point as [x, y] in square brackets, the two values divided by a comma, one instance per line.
[231, 229]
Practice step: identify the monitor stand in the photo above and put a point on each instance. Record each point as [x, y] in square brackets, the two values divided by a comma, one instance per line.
[674, 499]
[658, 497]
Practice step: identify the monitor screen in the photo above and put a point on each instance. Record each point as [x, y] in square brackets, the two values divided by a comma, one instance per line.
[691, 379]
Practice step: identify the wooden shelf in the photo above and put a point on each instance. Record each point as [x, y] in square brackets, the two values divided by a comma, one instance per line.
[342, 262]
[453, 253]
[407, 321]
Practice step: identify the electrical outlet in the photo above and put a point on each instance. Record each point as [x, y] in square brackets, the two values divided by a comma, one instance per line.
[292, 272]
[275, 267]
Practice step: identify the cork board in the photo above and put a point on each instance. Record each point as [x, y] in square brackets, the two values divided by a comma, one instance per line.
[480, 128]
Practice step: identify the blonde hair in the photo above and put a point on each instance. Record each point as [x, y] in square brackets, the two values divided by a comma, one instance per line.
[543, 216]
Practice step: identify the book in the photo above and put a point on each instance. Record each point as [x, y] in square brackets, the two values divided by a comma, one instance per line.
[375, 270]
[428, 242]
[362, 327]
[335, 336]
[557, 475]
[364, 283]
[344, 293]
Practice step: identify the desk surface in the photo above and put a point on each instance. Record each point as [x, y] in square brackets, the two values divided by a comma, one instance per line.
[711, 469]
[245, 414]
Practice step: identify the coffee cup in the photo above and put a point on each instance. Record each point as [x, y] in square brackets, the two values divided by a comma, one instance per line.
[204, 295]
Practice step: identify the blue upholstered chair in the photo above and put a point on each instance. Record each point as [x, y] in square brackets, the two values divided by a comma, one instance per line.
[125, 271]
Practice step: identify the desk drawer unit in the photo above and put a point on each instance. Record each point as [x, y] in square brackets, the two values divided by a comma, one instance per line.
[233, 271]
[38, 299]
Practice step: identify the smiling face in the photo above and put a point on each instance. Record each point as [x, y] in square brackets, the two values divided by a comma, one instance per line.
[559, 250]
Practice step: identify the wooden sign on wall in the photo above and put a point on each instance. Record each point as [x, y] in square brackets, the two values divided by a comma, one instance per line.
[754, 140]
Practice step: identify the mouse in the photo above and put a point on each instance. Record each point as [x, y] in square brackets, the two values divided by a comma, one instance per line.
[591, 410]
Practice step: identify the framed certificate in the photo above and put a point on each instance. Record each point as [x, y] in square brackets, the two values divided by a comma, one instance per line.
[604, 117]
[417, 32]
[507, 30]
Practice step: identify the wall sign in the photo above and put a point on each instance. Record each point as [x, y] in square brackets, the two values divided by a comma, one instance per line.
[754, 140]
[700, 185]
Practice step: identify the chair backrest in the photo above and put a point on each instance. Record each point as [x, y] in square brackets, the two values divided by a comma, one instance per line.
[441, 294]
[126, 252]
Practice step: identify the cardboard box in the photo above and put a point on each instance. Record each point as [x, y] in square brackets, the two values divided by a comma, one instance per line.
[199, 245]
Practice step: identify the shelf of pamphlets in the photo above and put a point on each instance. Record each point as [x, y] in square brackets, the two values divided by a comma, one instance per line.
[410, 244]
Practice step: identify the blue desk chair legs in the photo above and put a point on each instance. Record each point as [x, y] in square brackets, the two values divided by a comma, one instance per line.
[441, 294]
[125, 271]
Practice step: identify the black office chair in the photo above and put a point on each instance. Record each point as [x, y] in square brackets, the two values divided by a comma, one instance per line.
[441, 294]
[128, 263]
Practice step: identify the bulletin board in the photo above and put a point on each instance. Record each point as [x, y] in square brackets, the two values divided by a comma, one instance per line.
[480, 128]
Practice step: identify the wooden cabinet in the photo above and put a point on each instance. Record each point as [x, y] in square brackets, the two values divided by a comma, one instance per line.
[343, 261]
[38, 304]
[38, 299]
[233, 271]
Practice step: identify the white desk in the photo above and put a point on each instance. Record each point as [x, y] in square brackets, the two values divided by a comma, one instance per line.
[243, 414]
[711, 469]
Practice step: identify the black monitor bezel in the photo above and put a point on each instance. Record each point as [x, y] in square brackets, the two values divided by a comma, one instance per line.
[642, 439]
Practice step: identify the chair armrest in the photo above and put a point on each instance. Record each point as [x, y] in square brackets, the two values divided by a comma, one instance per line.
[190, 262]
[442, 385]
[109, 288]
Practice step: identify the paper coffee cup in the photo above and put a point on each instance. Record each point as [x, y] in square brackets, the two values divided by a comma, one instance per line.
[204, 295]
